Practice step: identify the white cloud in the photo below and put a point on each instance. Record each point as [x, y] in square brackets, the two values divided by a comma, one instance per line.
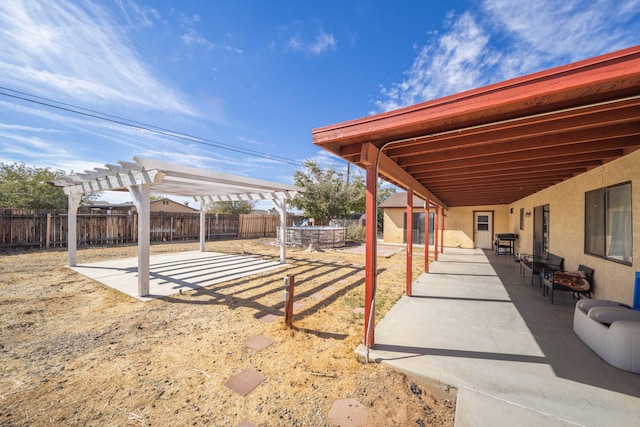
[323, 43]
[448, 66]
[14, 127]
[249, 141]
[568, 29]
[509, 38]
[296, 43]
[192, 37]
[76, 51]
[135, 14]
[320, 44]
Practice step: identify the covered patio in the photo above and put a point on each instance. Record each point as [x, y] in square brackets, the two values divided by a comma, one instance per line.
[494, 145]
[147, 176]
[470, 321]
[512, 355]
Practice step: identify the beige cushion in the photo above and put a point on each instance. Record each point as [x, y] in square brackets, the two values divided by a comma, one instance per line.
[613, 314]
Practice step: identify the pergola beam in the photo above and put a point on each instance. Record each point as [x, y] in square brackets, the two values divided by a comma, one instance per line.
[118, 181]
[286, 195]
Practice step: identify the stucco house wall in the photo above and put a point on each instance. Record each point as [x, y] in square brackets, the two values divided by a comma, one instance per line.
[393, 230]
[459, 223]
[612, 280]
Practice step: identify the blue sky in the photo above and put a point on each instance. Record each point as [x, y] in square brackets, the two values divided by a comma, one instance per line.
[237, 86]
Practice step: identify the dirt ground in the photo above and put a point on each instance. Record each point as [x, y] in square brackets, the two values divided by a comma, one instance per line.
[74, 352]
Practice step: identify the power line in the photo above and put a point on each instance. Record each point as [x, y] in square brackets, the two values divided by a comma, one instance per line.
[139, 125]
[145, 49]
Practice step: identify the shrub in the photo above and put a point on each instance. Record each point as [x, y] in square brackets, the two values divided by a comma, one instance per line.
[355, 233]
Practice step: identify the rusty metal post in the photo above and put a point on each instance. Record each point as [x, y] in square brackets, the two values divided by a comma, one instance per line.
[409, 242]
[426, 236]
[436, 246]
[289, 283]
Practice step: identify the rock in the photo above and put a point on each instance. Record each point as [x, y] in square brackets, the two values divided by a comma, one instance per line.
[414, 389]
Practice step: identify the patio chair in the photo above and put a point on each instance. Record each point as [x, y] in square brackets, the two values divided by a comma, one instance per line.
[579, 282]
[536, 264]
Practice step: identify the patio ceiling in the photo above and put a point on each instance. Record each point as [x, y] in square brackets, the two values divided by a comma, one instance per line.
[500, 143]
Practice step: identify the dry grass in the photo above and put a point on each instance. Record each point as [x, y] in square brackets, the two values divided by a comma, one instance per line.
[74, 352]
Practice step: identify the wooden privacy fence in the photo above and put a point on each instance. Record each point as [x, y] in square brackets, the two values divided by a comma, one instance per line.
[21, 228]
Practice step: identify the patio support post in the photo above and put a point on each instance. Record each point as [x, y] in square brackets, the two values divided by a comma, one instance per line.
[281, 207]
[442, 231]
[72, 227]
[370, 253]
[204, 207]
[435, 233]
[141, 199]
[426, 236]
[409, 239]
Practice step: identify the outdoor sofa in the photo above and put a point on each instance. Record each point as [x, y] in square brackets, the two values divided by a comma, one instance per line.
[611, 330]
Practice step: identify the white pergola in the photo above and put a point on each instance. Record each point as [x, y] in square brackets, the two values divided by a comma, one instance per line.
[145, 176]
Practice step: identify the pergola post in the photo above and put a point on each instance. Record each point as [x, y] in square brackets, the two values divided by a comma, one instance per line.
[72, 227]
[409, 239]
[281, 207]
[426, 236]
[141, 199]
[204, 207]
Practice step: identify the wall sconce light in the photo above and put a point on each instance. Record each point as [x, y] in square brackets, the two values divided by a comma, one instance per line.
[527, 214]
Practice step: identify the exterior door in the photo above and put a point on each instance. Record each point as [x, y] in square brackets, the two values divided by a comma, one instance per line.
[482, 230]
[540, 230]
[418, 228]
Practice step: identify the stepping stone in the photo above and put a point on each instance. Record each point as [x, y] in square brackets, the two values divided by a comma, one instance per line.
[245, 381]
[297, 305]
[317, 295]
[358, 310]
[267, 318]
[349, 413]
[245, 423]
[259, 343]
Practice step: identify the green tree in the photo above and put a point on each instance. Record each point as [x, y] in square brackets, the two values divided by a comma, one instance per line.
[327, 195]
[24, 187]
[239, 207]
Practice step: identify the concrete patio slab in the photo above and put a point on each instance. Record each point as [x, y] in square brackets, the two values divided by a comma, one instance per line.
[174, 273]
[475, 324]
[384, 250]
